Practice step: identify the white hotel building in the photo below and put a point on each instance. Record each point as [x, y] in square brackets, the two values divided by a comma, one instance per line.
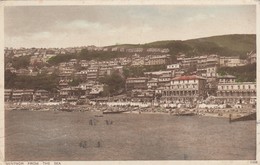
[185, 89]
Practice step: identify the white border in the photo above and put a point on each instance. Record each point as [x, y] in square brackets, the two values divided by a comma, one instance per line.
[2, 149]
[126, 2]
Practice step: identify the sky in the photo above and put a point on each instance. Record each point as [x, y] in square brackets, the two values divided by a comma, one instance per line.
[69, 26]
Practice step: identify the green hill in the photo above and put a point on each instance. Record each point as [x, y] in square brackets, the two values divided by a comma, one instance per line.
[235, 42]
[225, 45]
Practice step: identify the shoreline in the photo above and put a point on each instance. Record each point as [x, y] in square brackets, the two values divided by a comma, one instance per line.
[221, 113]
[215, 115]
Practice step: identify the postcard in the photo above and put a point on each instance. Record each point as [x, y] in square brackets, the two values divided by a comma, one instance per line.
[126, 82]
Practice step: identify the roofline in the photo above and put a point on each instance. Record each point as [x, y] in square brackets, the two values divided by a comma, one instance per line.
[191, 77]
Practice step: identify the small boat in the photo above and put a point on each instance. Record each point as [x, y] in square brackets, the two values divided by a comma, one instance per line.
[113, 112]
[185, 114]
[66, 110]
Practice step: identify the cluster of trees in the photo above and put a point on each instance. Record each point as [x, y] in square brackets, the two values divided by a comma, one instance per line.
[114, 84]
[76, 82]
[61, 58]
[196, 48]
[21, 62]
[245, 73]
[41, 81]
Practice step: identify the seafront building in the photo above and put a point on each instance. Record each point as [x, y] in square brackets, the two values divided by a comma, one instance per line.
[41, 95]
[232, 92]
[8, 94]
[136, 83]
[19, 95]
[185, 89]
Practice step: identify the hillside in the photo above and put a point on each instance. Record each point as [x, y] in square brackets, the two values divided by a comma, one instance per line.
[225, 45]
[236, 42]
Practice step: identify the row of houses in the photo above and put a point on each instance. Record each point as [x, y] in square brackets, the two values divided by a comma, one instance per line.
[134, 60]
[151, 60]
[129, 50]
[40, 52]
[215, 60]
[49, 52]
[71, 93]
[92, 73]
[26, 95]
[31, 71]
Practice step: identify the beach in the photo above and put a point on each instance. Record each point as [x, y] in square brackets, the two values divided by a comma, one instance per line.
[59, 135]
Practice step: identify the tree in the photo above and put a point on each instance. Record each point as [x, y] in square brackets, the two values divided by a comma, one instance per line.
[41, 81]
[114, 84]
[61, 58]
[106, 91]
[9, 79]
[21, 62]
[242, 73]
[75, 82]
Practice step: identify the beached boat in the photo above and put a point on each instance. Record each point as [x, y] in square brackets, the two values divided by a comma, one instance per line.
[113, 112]
[66, 110]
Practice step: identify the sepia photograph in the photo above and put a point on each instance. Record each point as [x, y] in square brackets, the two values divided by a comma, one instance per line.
[124, 82]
